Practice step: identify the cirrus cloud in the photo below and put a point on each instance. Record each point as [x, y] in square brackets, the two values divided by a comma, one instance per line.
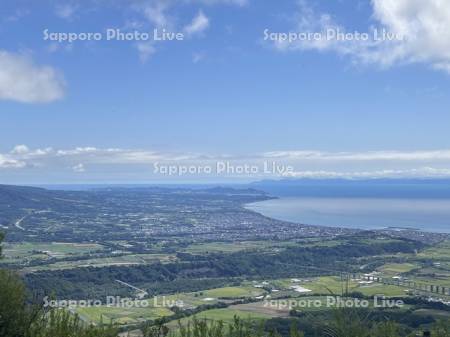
[199, 24]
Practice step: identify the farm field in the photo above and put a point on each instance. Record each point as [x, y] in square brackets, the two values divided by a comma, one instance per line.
[282, 307]
[213, 296]
[334, 285]
[429, 267]
[234, 292]
[439, 252]
[33, 257]
[191, 300]
[121, 260]
[398, 268]
[225, 315]
[27, 251]
[262, 308]
[232, 247]
[158, 306]
[107, 315]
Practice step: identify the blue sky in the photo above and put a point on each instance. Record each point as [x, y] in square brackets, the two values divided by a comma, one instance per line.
[107, 111]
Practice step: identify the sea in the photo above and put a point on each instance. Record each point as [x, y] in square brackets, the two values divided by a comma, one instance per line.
[374, 206]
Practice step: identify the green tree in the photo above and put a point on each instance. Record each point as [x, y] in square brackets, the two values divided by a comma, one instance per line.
[294, 332]
[16, 316]
[441, 329]
[2, 236]
[61, 323]
[19, 318]
[386, 329]
[346, 323]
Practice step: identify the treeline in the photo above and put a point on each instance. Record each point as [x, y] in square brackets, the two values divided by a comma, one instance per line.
[193, 272]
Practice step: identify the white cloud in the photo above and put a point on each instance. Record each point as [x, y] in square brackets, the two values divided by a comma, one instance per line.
[164, 14]
[23, 81]
[20, 149]
[226, 2]
[308, 21]
[17, 15]
[79, 168]
[362, 156]
[424, 172]
[56, 47]
[305, 164]
[146, 50]
[423, 25]
[197, 57]
[78, 151]
[198, 25]
[66, 11]
[6, 162]
[156, 13]
[123, 156]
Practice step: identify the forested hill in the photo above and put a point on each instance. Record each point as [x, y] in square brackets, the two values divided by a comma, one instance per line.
[15, 200]
[23, 196]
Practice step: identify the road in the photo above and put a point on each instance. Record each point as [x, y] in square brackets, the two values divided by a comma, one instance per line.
[18, 222]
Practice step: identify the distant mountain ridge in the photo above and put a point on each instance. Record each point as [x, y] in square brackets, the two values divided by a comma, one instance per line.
[22, 196]
[15, 200]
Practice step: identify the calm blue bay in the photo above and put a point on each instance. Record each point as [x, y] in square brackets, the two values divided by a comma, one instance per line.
[366, 213]
[365, 204]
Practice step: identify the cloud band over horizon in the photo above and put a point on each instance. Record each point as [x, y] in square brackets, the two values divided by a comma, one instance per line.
[118, 164]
